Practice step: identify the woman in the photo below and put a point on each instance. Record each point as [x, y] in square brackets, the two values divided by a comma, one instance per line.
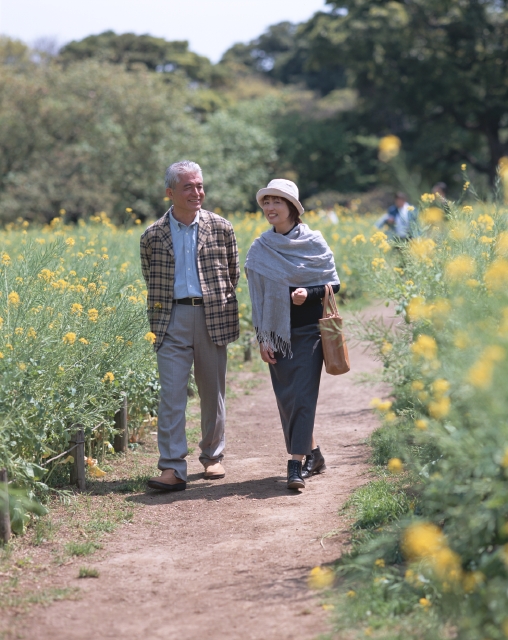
[287, 268]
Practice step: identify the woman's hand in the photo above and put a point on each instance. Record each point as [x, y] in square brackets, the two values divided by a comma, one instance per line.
[299, 296]
[267, 355]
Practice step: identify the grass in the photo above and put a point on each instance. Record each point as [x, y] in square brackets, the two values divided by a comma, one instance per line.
[88, 572]
[81, 548]
[379, 503]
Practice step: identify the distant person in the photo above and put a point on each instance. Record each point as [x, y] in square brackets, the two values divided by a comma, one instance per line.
[287, 268]
[439, 189]
[399, 218]
[189, 260]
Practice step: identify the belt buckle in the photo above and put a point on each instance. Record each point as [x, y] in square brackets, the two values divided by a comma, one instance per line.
[194, 305]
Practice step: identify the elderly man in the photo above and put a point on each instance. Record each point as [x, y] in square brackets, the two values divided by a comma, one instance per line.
[189, 259]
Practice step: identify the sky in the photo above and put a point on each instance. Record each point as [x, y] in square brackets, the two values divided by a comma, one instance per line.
[210, 26]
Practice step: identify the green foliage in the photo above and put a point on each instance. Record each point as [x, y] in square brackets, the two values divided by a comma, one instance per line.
[133, 51]
[447, 362]
[378, 503]
[434, 73]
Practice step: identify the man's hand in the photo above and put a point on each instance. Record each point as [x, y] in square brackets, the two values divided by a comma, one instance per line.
[299, 296]
[267, 355]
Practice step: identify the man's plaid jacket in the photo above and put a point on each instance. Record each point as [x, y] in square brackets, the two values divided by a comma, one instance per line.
[218, 268]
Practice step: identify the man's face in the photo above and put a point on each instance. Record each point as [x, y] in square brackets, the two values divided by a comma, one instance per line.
[188, 195]
[399, 202]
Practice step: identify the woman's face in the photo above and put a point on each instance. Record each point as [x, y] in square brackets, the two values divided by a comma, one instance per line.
[276, 210]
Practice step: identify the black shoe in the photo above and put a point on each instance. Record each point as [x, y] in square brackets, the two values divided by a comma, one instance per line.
[315, 463]
[295, 480]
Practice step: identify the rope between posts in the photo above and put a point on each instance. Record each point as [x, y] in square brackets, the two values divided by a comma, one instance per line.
[62, 454]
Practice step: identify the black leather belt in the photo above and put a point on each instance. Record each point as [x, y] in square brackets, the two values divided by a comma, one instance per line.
[194, 302]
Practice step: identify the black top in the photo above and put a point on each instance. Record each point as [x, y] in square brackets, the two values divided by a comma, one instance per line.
[312, 309]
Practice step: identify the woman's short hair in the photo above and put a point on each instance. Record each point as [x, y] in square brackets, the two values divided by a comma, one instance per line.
[294, 214]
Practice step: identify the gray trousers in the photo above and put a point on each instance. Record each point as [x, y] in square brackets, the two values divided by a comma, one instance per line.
[296, 386]
[187, 341]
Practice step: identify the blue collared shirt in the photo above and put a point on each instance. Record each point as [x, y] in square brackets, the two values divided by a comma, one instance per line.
[185, 246]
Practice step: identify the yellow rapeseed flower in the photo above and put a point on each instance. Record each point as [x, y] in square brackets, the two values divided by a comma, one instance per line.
[6, 259]
[421, 424]
[486, 221]
[77, 308]
[21, 366]
[428, 197]
[359, 238]
[460, 267]
[70, 242]
[150, 337]
[69, 338]
[422, 249]
[496, 277]
[426, 604]
[417, 309]
[389, 148]
[14, 299]
[472, 580]
[377, 403]
[422, 540]
[425, 347]
[320, 578]
[108, 377]
[19, 331]
[45, 275]
[379, 562]
[481, 373]
[432, 215]
[467, 209]
[93, 315]
[395, 466]
[1, 355]
[84, 341]
[379, 263]
[351, 594]
[459, 231]
[440, 387]
[440, 407]
[386, 347]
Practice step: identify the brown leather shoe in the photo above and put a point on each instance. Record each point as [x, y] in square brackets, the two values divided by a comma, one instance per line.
[214, 471]
[167, 481]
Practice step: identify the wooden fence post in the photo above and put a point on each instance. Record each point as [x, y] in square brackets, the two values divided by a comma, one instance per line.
[5, 519]
[121, 441]
[78, 468]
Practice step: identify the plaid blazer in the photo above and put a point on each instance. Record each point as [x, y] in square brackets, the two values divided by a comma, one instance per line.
[218, 269]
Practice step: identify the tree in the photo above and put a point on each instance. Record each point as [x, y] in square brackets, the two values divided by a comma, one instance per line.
[281, 54]
[434, 72]
[156, 54]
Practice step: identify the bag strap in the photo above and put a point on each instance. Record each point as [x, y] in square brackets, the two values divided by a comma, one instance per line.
[329, 301]
[326, 300]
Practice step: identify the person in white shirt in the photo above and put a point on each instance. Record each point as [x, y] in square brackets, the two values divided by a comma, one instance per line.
[399, 218]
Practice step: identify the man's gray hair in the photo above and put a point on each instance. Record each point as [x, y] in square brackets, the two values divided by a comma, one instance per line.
[174, 170]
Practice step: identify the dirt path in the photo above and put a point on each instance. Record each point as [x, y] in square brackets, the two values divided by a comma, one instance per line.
[228, 559]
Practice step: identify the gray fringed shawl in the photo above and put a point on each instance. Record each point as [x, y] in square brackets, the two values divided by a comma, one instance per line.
[276, 262]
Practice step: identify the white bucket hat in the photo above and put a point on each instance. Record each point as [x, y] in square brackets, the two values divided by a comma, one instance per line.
[285, 189]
